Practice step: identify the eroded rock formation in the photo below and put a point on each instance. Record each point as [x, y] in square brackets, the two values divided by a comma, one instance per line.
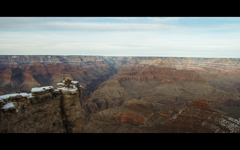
[44, 110]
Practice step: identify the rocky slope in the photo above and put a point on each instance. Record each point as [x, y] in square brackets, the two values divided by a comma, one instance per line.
[139, 116]
[160, 82]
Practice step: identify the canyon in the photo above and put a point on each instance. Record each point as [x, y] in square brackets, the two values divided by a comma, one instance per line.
[127, 94]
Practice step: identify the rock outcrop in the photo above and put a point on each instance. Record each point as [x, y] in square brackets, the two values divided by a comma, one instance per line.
[72, 105]
[44, 110]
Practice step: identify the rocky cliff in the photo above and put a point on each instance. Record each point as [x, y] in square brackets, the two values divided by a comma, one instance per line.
[44, 110]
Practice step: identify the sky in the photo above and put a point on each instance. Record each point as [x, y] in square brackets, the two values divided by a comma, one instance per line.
[209, 37]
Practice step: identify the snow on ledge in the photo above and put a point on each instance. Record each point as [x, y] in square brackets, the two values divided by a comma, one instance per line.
[30, 96]
[74, 82]
[8, 105]
[40, 89]
[67, 89]
[60, 84]
[15, 94]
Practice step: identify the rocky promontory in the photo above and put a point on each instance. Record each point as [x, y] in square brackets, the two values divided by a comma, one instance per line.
[44, 110]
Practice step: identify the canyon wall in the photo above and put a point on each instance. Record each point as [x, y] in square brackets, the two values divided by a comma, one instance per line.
[169, 82]
[118, 94]
[109, 81]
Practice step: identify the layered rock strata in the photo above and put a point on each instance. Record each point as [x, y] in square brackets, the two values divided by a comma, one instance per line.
[21, 73]
[139, 116]
[44, 110]
[169, 81]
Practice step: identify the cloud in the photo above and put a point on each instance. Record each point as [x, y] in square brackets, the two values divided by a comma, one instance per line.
[65, 24]
[121, 44]
[164, 19]
[120, 36]
[33, 24]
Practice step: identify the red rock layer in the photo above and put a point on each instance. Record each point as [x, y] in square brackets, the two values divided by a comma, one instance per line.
[201, 103]
[130, 118]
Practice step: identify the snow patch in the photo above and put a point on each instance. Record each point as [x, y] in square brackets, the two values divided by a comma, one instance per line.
[231, 126]
[223, 122]
[13, 95]
[234, 120]
[74, 82]
[67, 89]
[30, 96]
[175, 116]
[180, 111]
[60, 84]
[39, 89]
[8, 105]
